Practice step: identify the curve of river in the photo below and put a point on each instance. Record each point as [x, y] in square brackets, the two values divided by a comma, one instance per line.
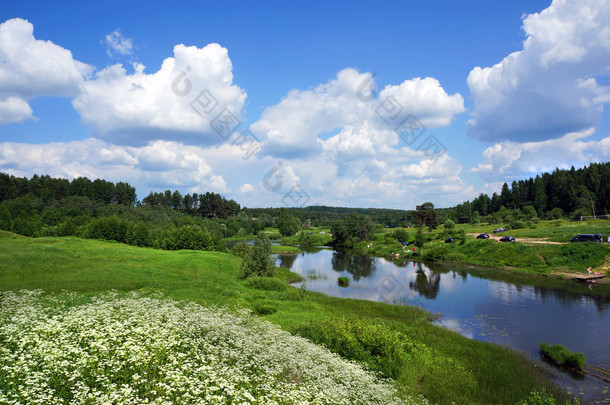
[482, 304]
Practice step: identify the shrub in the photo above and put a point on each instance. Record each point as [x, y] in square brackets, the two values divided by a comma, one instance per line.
[188, 237]
[262, 309]
[266, 283]
[240, 250]
[400, 235]
[258, 260]
[449, 224]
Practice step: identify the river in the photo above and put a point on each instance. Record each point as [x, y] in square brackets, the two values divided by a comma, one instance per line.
[482, 304]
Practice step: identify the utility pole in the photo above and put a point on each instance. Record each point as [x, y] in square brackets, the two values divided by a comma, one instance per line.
[592, 207]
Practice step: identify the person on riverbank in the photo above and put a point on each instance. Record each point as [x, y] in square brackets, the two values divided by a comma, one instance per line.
[589, 270]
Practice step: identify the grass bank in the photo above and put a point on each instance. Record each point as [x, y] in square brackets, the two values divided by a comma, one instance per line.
[530, 254]
[397, 342]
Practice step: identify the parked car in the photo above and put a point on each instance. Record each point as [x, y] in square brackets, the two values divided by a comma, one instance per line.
[507, 239]
[483, 236]
[498, 230]
[449, 240]
[587, 237]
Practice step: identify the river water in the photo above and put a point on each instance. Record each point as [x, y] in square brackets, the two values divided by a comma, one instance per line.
[482, 304]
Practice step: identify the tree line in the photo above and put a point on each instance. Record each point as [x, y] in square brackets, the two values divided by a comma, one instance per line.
[572, 193]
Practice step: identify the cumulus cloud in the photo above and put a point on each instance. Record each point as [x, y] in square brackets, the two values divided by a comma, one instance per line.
[295, 125]
[550, 87]
[179, 102]
[246, 188]
[510, 160]
[117, 44]
[14, 109]
[159, 165]
[31, 68]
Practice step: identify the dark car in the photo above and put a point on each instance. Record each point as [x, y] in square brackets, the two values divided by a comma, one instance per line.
[498, 230]
[507, 239]
[449, 240]
[587, 237]
[483, 236]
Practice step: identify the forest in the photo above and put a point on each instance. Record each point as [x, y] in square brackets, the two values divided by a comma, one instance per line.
[100, 209]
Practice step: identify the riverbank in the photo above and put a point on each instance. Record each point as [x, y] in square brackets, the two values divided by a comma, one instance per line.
[543, 250]
[398, 342]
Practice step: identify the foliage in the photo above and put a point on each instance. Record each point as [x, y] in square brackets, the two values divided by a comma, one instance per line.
[258, 261]
[449, 224]
[419, 239]
[348, 232]
[425, 214]
[287, 224]
[562, 356]
[188, 237]
[400, 235]
[266, 283]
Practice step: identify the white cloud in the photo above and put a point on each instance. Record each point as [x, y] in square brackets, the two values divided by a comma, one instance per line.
[133, 109]
[295, 125]
[246, 188]
[117, 44]
[159, 165]
[31, 68]
[14, 109]
[510, 160]
[548, 88]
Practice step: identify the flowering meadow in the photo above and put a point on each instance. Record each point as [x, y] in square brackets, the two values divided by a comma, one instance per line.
[133, 348]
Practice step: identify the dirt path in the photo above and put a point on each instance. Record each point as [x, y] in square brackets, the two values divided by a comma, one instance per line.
[526, 240]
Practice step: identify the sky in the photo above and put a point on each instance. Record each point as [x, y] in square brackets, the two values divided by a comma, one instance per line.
[384, 104]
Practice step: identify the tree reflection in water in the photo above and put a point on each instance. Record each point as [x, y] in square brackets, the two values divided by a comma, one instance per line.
[286, 261]
[427, 285]
[357, 266]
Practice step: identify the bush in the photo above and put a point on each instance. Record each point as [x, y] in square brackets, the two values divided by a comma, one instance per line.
[188, 237]
[400, 235]
[449, 224]
[258, 260]
[240, 250]
[343, 281]
[266, 283]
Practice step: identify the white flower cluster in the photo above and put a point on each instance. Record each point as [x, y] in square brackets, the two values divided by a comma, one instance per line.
[132, 349]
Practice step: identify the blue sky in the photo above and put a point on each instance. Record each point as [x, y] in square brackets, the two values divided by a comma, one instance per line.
[498, 91]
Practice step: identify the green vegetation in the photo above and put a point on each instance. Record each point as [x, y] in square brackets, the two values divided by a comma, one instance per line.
[561, 356]
[427, 359]
[343, 281]
[257, 260]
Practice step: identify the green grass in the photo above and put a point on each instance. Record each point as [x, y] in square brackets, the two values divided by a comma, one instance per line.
[283, 249]
[426, 359]
[561, 356]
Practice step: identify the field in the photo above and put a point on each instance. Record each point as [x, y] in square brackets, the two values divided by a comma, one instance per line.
[394, 342]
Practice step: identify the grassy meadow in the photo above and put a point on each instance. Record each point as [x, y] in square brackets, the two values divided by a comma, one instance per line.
[409, 356]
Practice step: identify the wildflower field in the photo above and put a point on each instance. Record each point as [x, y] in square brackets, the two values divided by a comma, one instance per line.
[131, 349]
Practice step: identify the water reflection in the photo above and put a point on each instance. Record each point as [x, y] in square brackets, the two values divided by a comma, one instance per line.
[356, 265]
[427, 285]
[286, 261]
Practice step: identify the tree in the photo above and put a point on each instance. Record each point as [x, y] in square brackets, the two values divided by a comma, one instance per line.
[287, 224]
[258, 262]
[449, 224]
[425, 215]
